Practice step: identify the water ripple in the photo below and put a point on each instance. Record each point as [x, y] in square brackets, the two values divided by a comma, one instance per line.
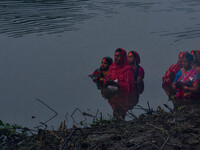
[24, 17]
[21, 17]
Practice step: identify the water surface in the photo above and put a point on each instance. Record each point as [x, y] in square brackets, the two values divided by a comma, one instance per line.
[49, 47]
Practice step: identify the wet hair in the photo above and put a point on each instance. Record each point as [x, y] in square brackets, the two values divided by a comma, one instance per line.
[188, 56]
[109, 60]
[118, 50]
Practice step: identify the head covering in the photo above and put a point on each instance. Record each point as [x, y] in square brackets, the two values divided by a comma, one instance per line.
[118, 69]
[137, 56]
[123, 59]
[122, 72]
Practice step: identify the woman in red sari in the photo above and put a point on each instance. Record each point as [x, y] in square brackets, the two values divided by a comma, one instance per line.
[170, 74]
[120, 75]
[134, 61]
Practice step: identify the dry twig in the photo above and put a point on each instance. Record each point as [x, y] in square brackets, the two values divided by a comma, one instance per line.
[163, 146]
[50, 109]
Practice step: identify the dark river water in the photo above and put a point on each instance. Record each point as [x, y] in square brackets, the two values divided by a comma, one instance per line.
[48, 48]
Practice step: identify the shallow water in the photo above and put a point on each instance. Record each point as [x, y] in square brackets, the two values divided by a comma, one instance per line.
[48, 48]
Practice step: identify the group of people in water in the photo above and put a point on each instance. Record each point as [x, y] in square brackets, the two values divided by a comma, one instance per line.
[124, 73]
[122, 81]
[182, 80]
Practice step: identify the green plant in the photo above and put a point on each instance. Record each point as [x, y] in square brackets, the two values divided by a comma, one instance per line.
[181, 108]
[100, 122]
[10, 132]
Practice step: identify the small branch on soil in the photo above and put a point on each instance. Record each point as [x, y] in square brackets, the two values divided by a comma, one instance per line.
[101, 133]
[163, 146]
[59, 137]
[67, 139]
[154, 145]
[195, 136]
[161, 129]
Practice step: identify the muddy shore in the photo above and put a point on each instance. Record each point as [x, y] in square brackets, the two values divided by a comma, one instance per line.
[160, 130]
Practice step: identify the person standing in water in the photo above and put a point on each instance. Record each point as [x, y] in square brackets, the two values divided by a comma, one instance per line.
[120, 73]
[121, 76]
[169, 76]
[100, 73]
[134, 61]
[196, 59]
[188, 84]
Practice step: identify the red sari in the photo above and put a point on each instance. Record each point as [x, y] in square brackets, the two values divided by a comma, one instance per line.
[169, 76]
[123, 73]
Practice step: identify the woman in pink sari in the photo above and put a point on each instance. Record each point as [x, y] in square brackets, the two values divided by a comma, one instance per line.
[170, 74]
[188, 84]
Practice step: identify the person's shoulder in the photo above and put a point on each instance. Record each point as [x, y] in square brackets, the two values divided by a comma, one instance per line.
[127, 68]
[141, 68]
[141, 72]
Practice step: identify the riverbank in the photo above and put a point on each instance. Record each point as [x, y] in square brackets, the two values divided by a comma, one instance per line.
[160, 130]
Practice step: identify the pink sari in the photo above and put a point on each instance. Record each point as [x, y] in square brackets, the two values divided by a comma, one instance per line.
[170, 74]
[188, 79]
[123, 73]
